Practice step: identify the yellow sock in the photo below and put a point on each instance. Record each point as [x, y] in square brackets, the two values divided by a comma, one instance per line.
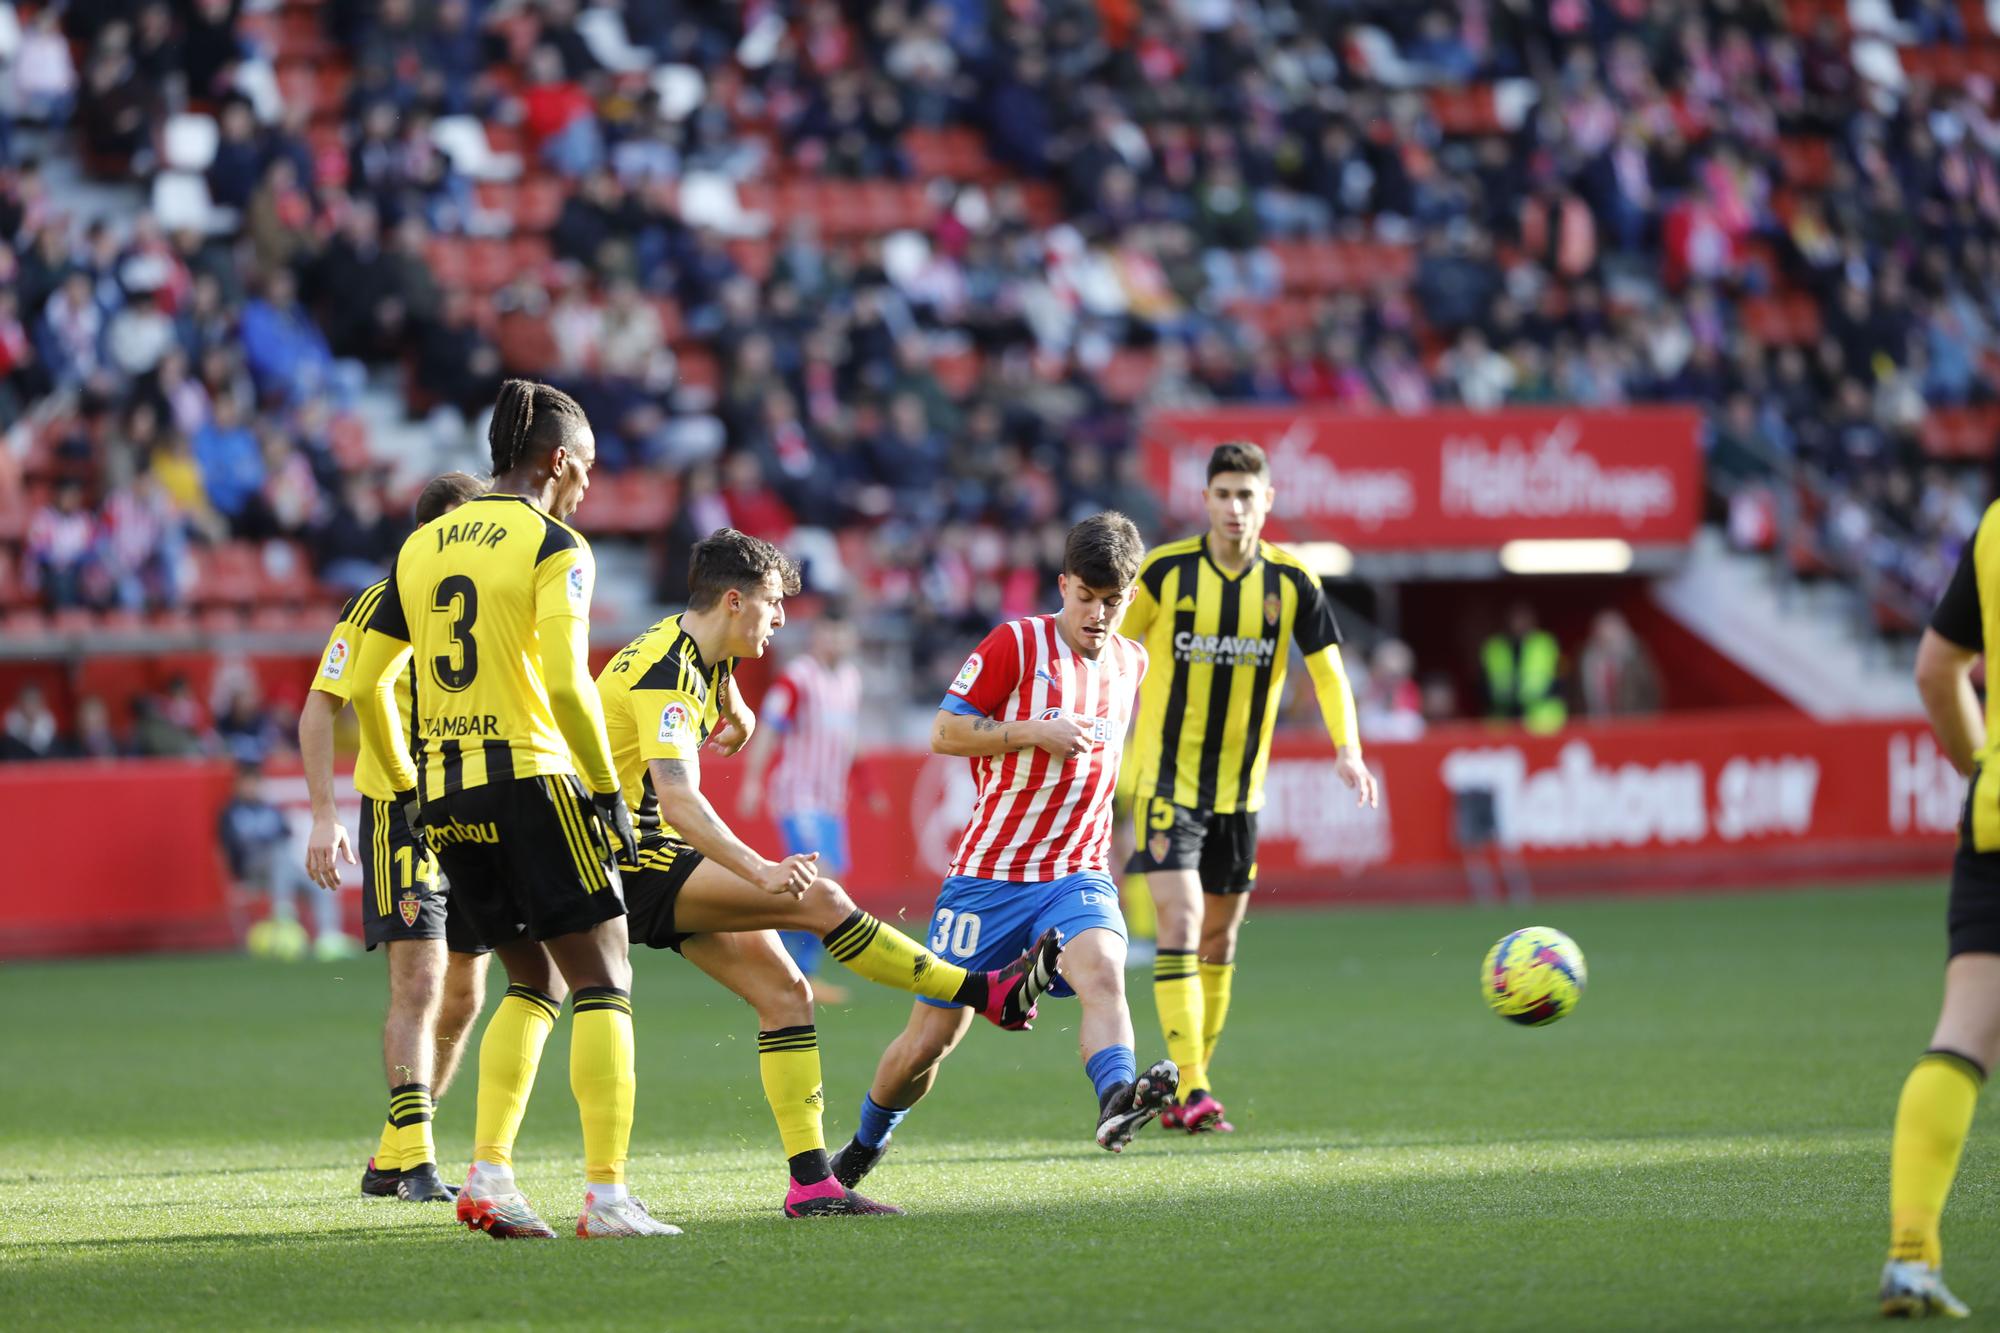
[389, 1152]
[509, 1055]
[1136, 897]
[1215, 982]
[1932, 1120]
[886, 955]
[788, 1058]
[601, 1075]
[1177, 994]
[410, 1110]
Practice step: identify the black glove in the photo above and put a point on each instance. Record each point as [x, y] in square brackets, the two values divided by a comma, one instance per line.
[413, 810]
[614, 821]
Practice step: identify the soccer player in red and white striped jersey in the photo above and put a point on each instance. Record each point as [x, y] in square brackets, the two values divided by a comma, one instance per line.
[1041, 711]
[811, 727]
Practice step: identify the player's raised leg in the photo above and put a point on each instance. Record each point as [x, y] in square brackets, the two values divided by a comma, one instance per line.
[1933, 1118]
[715, 899]
[1093, 965]
[758, 968]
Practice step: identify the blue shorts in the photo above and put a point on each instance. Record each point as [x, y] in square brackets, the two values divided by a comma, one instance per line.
[817, 831]
[984, 924]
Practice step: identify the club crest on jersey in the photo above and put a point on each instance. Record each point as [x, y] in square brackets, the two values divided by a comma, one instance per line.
[968, 674]
[1100, 728]
[336, 660]
[579, 587]
[408, 906]
[1274, 606]
[673, 722]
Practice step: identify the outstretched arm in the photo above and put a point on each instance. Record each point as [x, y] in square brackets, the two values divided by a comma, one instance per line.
[677, 784]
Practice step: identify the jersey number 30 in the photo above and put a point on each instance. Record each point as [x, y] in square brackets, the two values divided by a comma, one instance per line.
[457, 597]
[960, 938]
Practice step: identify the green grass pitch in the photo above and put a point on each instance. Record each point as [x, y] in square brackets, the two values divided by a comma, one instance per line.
[1704, 1144]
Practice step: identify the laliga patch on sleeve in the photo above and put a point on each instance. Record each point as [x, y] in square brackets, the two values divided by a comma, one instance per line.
[968, 674]
[579, 587]
[673, 723]
[336, 660]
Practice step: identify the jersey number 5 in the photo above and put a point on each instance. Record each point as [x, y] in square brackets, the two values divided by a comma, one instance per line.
[457, 597]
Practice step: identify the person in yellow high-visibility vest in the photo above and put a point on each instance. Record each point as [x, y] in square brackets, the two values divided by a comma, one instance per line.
[1523, 670]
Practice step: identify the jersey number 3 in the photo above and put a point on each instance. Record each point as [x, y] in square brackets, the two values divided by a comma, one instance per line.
[457, 597]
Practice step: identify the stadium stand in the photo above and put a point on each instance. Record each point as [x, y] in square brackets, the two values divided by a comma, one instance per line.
[892, 281]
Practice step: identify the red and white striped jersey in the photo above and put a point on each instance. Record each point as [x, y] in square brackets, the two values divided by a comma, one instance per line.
[1038, 818]
[818, 708]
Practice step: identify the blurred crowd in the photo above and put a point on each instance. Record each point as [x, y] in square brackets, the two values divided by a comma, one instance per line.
[1608, 229]
[236, 721]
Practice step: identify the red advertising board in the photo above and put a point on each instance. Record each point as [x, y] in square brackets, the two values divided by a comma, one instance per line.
[1716, 801]
[1449, 480]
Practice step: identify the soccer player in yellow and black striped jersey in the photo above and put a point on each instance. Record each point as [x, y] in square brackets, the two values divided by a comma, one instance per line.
[437, 962]
[494, 602]
[1935, 1112]
[1218, 614]
[699, 889]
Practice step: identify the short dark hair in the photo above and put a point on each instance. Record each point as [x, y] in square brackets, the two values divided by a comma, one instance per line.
[1238, 456]
[530, 420]
[728, 559]
[1104, 551]
[442, 494]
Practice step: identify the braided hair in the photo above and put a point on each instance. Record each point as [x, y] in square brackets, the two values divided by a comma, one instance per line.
[530, 419]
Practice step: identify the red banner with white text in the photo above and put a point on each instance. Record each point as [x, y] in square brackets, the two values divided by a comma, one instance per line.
[1449, 480]
[1719, 801]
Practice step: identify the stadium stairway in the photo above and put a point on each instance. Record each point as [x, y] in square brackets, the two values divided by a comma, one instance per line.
[1800, 640]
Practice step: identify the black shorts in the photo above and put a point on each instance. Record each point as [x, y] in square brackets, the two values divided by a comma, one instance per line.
[652, 889]
[1222, 848]
[526, 857]
[402, 895]
[1973, 920]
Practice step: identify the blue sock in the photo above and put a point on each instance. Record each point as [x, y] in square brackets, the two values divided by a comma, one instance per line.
[1110, 1067]
[878, 1122]
[805, 949]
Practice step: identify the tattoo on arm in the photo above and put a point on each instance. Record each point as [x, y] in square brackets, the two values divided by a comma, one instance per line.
[988, 724]
[678, 772]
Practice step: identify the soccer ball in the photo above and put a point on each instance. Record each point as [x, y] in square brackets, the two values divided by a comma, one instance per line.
[1533, 976]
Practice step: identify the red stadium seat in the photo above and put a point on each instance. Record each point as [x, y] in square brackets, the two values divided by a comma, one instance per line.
[226, 576]
[541, 201]
[527, 344]
[449, 262]
[1807, 163]
[23, 623]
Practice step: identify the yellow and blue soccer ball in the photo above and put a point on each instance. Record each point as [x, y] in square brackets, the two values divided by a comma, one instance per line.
[1533, 976]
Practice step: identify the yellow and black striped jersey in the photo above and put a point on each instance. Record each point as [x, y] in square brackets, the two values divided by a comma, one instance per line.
[660, 702]
[1969, 615]
[470, 594]
[1219, 647]
[371, 773]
